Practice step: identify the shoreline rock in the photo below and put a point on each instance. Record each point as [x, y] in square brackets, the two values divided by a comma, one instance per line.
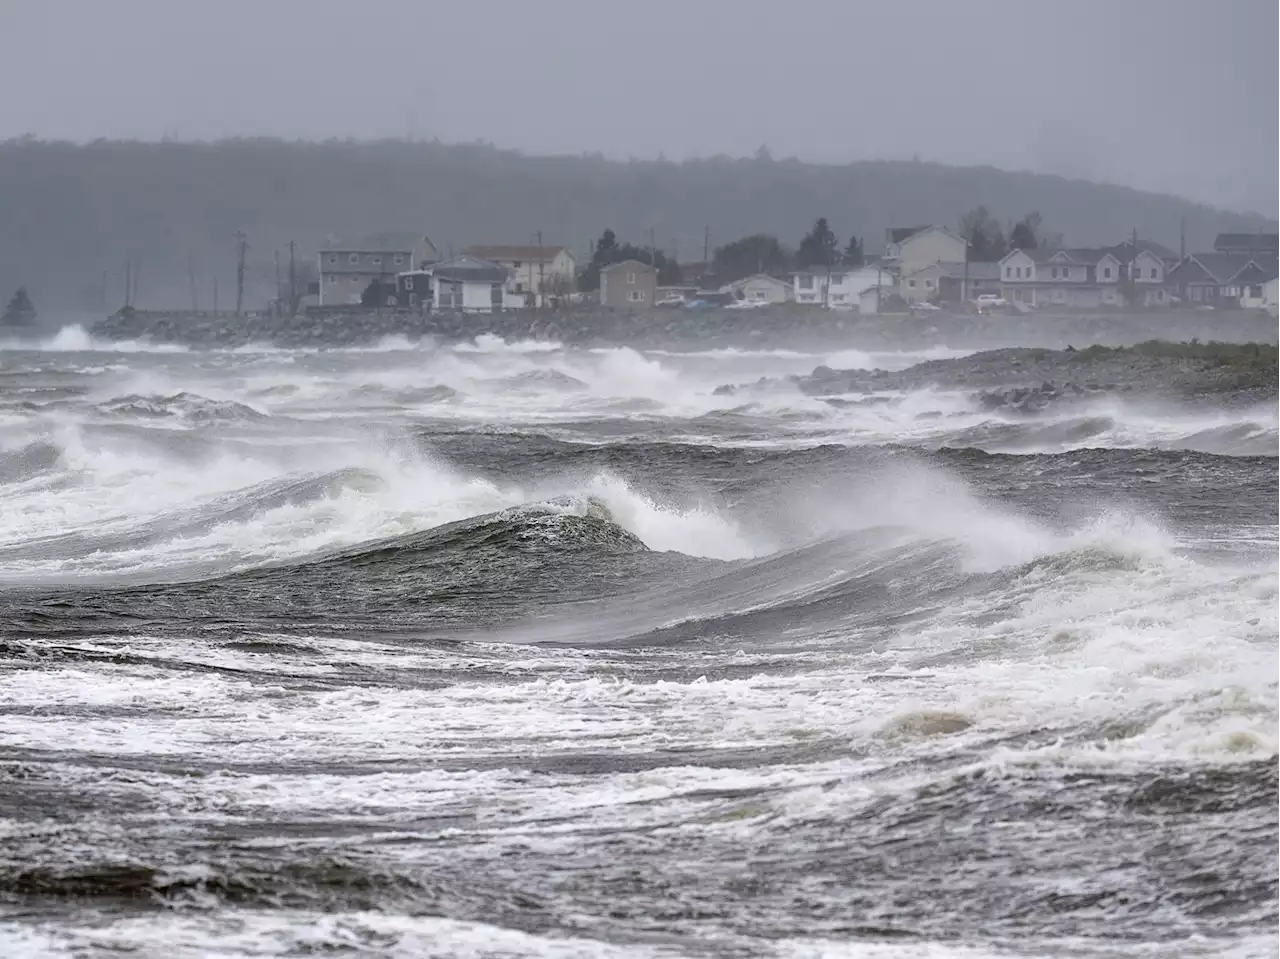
[788, 327]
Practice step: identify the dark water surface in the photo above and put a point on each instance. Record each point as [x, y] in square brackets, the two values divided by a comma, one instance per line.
[511, 650]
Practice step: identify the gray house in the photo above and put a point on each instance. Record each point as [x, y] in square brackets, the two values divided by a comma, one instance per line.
[347, 267]
[628, 284]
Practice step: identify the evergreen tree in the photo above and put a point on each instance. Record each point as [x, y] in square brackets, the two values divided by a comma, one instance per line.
[20, 313]
[609, 250]
[853, 253]
[819, 246]
[1026, 233]
[758, 253]
[986, 239]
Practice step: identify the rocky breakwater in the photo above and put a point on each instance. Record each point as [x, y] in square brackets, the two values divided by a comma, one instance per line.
[1031, 380]
[584, 326]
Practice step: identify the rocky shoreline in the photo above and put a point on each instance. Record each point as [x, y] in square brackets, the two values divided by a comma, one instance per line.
[1025, 380]
[782, 327]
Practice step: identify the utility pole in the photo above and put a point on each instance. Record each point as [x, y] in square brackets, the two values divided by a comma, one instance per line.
[128, 280]
[537, 298]
[191, 279]
[706, 246]
[1182, 238]
[133, 300]
[215, 294]
[293, 281]
[279, 292]
[103, 302]
[242, 244]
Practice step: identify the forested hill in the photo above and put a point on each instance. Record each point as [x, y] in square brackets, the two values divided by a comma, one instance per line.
[71, 215]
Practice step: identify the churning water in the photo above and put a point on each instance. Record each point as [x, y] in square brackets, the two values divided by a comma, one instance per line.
[508, 649]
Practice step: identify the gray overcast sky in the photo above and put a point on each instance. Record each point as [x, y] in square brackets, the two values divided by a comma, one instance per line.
[1170, 95]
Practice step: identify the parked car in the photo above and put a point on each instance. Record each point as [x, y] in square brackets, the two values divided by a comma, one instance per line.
[671, 299]
[745, 305]
[991, 299]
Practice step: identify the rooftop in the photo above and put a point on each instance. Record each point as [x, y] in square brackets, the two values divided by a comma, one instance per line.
[512, 251]
[1247, 242]
[468, 268]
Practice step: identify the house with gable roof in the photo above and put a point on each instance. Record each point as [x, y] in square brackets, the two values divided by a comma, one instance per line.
[908, 249]
[1223, 279]
[465, 284]
[347, 267]
[532, 268]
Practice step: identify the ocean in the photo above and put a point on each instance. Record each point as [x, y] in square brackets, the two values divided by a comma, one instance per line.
[512, 649]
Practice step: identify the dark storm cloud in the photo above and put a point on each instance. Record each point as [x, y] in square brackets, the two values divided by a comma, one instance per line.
[1171, 95]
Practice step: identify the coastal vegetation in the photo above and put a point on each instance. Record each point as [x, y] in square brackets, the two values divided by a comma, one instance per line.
[76, 219]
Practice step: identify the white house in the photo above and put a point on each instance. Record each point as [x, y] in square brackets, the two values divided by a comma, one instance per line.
[532, 269]
[470, 285]
[1270, 295]
[1076, 278]
[760, 288]
[908, 249]
[875, 298]
[837, 287]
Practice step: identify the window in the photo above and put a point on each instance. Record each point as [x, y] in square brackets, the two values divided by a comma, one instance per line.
[1154, 273]
[408, 283]
[1107, 273]
[635, 296]
[515, 264]
[631, 277]
[1019, 272]
[354, 258]
[399, 259]
[928, 284]
[333, 258]
[1008, 273]
[911, 283]
[806, 282]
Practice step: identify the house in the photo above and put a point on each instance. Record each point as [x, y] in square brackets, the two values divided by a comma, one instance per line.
[348, 267]
[465, 283]
[908, 249]
[1247, 243]
[760, 288]
[1080, 278]
[836, 287]
[879, 298]
[950, 282]
[414, 289]
[549, 270]
[1222, 279]
[628, 284]
[1270, 295]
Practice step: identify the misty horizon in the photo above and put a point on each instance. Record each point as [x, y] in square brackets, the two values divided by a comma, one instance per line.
[1171, 97]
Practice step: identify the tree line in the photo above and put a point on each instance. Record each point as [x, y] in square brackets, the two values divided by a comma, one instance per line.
[75, 214]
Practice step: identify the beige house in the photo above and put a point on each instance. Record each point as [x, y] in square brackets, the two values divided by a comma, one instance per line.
[950, 282]
[628, 284]
[908, 249]
[760, 288]
[347, 267]
[549, 270]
